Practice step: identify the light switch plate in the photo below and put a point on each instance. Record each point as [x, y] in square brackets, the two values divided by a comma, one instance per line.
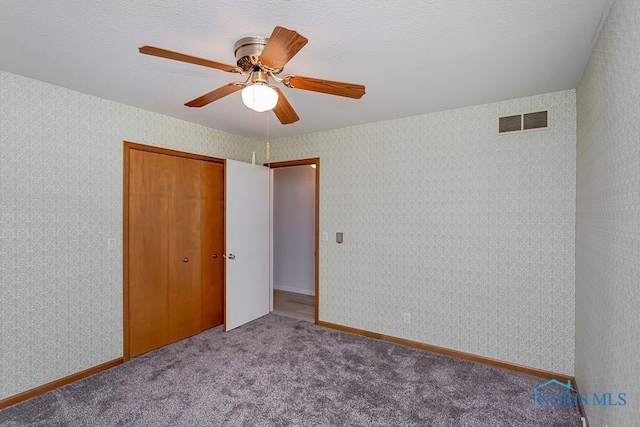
[325, 236]
[111, 244]
[339, 237]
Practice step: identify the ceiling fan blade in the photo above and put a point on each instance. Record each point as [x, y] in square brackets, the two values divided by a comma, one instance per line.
[283, 110]
[350, 90]
[221, 92]
[163, 53]
[281, 47]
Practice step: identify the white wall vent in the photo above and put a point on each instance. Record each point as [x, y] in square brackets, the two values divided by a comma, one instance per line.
[523, 122]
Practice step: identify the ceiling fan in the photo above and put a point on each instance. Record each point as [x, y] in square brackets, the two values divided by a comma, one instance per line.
[261, 59]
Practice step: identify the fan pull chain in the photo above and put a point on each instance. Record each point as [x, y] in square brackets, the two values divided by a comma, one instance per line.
[253, 160]
[268, 139]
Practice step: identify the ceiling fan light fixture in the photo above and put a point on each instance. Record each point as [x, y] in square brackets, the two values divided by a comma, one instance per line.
[259, 97]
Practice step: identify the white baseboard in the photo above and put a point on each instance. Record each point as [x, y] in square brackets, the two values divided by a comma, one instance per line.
[294, 290]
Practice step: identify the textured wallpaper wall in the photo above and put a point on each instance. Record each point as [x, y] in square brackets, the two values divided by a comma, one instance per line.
[608, 219]
[60, 199]
[470, 232]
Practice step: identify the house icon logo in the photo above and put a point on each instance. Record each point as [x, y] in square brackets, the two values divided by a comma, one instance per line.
[542, 397]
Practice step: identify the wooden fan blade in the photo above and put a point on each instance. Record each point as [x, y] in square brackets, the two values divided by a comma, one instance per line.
[281, 47]
[208, 98]
[283, 110]
[163, 53]
[350, 90]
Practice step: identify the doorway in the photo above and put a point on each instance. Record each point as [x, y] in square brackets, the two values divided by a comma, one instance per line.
[295, 199]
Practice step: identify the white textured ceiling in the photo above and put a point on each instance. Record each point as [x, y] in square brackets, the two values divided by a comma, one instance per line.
[413, 56]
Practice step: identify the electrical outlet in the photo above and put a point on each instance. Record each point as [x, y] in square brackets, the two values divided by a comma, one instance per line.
[407, 318]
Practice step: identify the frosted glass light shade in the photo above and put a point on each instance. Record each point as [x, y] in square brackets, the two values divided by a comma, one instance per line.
[259, 97]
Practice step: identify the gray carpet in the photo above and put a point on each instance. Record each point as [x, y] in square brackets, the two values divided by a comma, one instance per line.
[278, 371]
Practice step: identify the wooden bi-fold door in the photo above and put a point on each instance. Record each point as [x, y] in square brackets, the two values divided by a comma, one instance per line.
[174, 268]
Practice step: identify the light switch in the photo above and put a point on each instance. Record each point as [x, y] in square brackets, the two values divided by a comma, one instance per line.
[325, 236]
[339, 237]
[111, 244]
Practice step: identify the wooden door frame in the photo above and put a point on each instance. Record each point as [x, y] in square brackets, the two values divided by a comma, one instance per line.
[302, 162]
[127, 147]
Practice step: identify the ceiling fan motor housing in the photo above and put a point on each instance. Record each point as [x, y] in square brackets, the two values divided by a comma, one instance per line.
[248, 50]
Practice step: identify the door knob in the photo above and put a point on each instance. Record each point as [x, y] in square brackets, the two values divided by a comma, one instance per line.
[214, 256]
[185, 259]
[231, 256]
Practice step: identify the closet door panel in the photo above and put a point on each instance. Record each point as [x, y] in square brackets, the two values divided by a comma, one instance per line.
[149, 189]
[184, 248]
[212, 245]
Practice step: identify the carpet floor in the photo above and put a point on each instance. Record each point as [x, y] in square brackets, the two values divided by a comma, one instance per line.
[278, 371]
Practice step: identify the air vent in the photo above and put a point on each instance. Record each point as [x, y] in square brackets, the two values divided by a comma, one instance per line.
[510, 123]
[537, 120]
[523, 122]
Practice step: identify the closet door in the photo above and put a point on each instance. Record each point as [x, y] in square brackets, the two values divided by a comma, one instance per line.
[184, 227]
[212, 218]
[175, 248]
[149, 194]
[175, 281]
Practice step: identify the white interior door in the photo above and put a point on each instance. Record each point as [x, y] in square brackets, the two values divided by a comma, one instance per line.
[247, 243]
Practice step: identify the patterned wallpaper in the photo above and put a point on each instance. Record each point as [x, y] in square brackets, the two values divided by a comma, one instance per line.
[608, 219]
[470, 232]
[60, 199]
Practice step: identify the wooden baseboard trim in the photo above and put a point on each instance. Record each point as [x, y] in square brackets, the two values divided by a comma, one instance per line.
[581, 408]
[449, 352]
[12, 400]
